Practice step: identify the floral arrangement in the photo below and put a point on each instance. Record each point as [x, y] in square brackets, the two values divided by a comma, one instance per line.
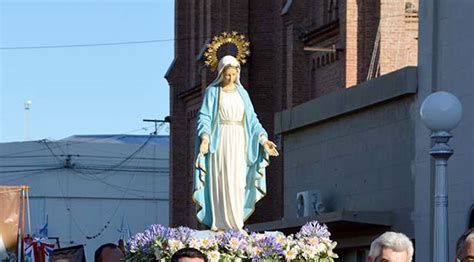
[311, 243]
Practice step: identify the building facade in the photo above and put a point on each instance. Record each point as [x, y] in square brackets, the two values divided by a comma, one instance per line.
[363, 153]
[300, 50]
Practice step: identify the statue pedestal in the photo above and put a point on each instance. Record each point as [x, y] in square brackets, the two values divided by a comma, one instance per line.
[201, 234]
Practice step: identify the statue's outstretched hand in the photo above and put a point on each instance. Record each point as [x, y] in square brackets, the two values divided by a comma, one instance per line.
[204, 147]
[270, 147]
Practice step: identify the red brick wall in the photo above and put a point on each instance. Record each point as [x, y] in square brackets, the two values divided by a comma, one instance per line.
[399, 32]
[262, 89]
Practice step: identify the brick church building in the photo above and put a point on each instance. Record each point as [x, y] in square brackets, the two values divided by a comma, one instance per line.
[300, 51]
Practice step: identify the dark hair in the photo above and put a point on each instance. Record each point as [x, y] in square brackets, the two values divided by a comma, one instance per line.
[98, 251]
[188, 252]
[462, 240]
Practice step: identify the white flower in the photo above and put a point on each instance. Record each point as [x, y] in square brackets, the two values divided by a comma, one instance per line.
[213, 256]
[256, 251]
[207, 243]
[301, 244]
[259, 237]
[243, 243]
[314, 241]
[280, 239]
[234, 243]
[290, 254]
[326, 240]
[310, 252]
[321, 247]
[195, 243]
[175, 244]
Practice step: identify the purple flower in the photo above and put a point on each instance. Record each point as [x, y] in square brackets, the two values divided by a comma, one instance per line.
[232, 240]
[313, 229]
[180, 233]
[267, 246]
[224, 238]
[139, 243]
[157, 231]
[142, 242]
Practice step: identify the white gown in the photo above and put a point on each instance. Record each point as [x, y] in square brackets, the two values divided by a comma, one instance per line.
[228, 164]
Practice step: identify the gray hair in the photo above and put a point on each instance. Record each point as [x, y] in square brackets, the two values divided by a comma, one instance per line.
[396, 241]
[468, 235]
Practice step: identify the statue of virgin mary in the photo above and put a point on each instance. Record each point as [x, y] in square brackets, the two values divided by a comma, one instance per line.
[232, 152]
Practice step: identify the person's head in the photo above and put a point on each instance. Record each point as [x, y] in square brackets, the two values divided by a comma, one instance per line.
[391, 247]
[188, 255]
[109, 252]
[465, 247]
[228, 70]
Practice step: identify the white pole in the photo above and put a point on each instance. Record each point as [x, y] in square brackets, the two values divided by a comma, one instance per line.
[441, 112]
[27, 120]
[441, 152]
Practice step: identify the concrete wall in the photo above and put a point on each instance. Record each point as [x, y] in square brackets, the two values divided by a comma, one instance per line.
[445, 62]
[360, 162]
[356, 147]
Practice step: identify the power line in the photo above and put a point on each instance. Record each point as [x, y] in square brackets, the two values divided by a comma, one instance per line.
[117, 170]
[87, 45]
[86, 156]
[125, 192]
[29, 170]
[27, 165]
[16, 177]
[67, 143]
[119, 164]
[154, 41]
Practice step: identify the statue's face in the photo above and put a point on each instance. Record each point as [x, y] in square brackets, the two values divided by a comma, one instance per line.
[229, 76]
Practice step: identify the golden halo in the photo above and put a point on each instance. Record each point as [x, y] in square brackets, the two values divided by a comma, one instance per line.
[227, 38]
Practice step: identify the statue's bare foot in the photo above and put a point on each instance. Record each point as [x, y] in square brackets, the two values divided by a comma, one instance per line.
[217, 230]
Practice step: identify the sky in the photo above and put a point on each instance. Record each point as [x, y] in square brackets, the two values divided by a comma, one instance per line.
[104, 84]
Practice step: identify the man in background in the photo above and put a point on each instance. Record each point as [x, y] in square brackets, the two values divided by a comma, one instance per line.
[465, 247]
[109, 252]
[391, 247]
[188, 255]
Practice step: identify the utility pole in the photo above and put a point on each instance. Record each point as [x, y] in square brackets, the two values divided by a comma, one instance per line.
[156, 121]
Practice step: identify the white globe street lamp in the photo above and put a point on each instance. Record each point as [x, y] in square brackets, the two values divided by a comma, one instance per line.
[441, 112]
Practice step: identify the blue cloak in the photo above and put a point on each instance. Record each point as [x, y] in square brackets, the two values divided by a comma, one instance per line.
[257, 157]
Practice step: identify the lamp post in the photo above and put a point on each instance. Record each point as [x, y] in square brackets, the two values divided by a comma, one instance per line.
[441, 112]
[27, 106]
